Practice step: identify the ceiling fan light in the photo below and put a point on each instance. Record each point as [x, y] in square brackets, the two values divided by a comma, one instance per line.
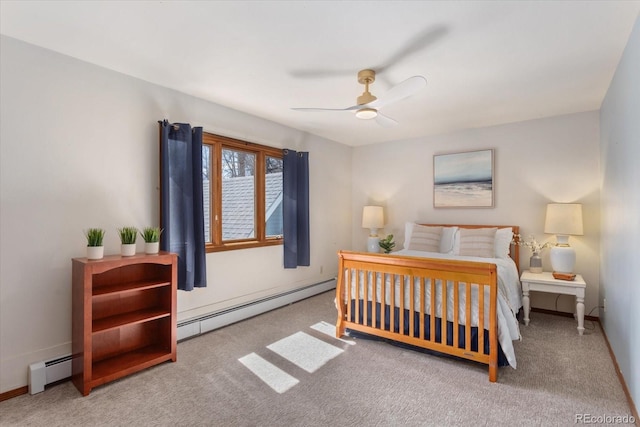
[366, 113]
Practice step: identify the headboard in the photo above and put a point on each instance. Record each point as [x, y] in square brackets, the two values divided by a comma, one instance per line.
[514, 252]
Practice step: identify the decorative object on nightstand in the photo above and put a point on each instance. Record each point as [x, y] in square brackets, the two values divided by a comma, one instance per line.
[563, 276]
[373, 219]
[535, 262]
[563, 220]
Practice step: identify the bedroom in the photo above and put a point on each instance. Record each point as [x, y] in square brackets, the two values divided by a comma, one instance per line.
[66, 124]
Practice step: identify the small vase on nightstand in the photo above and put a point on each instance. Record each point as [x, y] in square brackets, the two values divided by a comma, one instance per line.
[535, 263]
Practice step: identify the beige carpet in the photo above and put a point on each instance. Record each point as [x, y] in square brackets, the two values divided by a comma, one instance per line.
[560, 375]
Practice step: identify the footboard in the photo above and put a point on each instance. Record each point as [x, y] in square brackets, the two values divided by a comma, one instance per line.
[449, 306]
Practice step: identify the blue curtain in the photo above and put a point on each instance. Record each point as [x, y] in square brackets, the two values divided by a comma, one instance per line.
[182, 214]
[295, 203]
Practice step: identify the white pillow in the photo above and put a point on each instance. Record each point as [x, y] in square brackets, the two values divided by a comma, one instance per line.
[425, 239]
[446, 239]
[478, 242]
[502, 243]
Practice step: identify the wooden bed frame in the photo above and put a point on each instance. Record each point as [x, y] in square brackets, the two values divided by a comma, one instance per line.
[354, 269]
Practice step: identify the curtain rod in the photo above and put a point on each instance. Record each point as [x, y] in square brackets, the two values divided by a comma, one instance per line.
[175, 126]
[299, 153]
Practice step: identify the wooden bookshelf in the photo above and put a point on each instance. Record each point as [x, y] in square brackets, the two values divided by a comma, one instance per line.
[124, 316]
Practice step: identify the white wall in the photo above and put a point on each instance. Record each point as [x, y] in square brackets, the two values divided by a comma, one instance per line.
[79, 149]
[536, 162]
[620, 269]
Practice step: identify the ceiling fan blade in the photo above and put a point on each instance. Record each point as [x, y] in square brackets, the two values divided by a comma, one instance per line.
[400, 91]
[316, 74]
[414, 45]
[384, 121]
[315, 110]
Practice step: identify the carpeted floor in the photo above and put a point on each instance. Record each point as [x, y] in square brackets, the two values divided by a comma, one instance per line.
[283, 369]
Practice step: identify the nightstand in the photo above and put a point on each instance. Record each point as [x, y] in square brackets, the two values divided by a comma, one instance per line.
[545, 282]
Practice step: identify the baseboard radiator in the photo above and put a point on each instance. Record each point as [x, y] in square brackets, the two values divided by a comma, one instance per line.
[209, 322]
[47, 372]
[54, 370]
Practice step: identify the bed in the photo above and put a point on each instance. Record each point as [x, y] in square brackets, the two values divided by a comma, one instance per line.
[399, 296]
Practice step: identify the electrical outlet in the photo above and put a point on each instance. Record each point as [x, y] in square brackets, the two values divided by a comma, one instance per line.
[604, 305]
[321, 269]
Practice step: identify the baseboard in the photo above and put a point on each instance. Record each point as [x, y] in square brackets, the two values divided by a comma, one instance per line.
[14, 393]
[562, 313]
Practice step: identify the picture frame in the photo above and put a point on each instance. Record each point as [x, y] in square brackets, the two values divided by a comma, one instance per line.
[463, 179]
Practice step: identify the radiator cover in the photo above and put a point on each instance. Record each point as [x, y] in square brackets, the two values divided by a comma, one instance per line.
[48, 372]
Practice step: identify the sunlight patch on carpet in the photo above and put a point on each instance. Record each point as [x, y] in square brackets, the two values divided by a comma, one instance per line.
[305, 351]
[273, 376]
[329, 329]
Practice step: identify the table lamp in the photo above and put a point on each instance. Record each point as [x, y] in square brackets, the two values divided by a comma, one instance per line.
[373, 219]
[563, 220]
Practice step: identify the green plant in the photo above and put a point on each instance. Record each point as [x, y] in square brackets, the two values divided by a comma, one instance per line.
[151, 234]
[94, 236]
[128, 235]
[387, 244]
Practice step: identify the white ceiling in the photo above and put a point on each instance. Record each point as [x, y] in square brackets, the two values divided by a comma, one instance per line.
[486, 62]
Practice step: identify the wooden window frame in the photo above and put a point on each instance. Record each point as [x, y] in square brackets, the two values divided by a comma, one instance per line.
[216, 144]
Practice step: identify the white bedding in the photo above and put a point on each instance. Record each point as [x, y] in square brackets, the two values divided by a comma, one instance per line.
[509, 298]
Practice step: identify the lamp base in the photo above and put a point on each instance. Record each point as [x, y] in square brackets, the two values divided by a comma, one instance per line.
[563, 259]
[372, 244]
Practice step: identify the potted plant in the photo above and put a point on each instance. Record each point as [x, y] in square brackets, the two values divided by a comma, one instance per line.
[128, 240]
[95, 248]
[387, 244]
[151, 236]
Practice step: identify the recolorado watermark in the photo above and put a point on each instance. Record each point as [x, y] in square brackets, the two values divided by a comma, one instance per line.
[604, 419]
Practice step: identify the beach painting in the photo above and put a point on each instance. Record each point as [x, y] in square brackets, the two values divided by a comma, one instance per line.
[463, 180]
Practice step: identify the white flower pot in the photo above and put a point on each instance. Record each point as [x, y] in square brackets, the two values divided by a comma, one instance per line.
[151, 247]
[128, 249]
[95, 252]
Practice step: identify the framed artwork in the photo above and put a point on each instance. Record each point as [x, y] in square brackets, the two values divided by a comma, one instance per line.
[463, 180]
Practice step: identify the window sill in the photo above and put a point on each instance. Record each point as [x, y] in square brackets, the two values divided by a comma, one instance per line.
[242, 245]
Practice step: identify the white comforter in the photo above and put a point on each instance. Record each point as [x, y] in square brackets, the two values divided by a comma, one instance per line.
[509, 298]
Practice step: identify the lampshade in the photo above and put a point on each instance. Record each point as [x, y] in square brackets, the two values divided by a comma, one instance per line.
[563, 219]
[372, 217]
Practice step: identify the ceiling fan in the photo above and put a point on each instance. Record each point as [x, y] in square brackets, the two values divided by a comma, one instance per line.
[368, 106]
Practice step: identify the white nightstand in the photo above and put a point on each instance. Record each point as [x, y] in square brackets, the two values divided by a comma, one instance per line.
[544, 282]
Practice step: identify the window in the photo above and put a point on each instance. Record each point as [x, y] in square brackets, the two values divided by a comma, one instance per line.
[242, 184]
